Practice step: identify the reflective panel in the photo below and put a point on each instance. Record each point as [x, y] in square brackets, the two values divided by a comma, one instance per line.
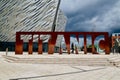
[28, 15]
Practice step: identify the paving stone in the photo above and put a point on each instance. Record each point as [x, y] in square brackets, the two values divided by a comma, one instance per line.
[27, 71]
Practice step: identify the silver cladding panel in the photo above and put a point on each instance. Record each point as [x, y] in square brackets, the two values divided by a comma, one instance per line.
[60, 26]
[27, 15]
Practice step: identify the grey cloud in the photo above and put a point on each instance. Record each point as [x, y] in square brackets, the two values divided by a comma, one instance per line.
[72, 6]
[108, 21]
[98, 15]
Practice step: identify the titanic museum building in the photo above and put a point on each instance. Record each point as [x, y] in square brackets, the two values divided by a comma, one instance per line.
[30, 16]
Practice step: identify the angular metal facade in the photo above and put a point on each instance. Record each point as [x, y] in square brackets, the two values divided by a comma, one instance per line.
[60, 26]
[28, 15]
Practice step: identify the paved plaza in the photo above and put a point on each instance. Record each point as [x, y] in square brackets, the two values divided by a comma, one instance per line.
[33, 71]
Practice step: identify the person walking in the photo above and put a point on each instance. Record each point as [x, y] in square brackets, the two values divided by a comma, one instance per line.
[72, 47]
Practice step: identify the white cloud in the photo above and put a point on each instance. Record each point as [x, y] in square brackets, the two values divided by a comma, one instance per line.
[71, 6]
[108, 20]
[88, 15]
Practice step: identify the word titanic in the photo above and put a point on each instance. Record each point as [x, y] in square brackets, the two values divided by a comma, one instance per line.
[103, 44]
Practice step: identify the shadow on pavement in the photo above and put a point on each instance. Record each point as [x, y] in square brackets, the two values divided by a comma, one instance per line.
[52, 75]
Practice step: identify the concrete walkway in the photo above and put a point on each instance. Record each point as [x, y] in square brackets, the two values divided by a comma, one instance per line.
[22, 71]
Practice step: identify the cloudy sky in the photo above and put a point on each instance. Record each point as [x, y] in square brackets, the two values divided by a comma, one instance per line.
[92, 15]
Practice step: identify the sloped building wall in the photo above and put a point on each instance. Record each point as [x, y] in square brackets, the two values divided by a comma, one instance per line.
[29, 15]
[25, 15]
